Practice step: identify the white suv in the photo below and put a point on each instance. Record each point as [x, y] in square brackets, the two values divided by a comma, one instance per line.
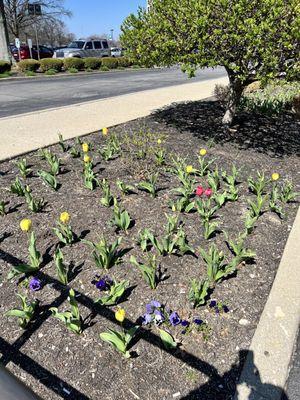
[84, 48]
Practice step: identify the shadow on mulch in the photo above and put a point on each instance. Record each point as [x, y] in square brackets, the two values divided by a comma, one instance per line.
[277, 136]
[218, 387]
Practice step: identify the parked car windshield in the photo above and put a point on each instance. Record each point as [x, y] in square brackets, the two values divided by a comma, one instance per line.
[76, 45]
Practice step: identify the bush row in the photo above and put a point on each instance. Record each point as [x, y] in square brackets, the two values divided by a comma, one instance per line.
[55, 64]
[4, 67]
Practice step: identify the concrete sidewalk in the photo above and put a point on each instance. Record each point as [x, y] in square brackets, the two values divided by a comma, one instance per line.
[27, 132]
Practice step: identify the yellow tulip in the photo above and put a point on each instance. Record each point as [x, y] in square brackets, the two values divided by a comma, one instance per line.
[87, 159]
[202, 152]
[120, 314]
[64, 217]
[159, 141]
[189, 169]
[275, 176]
[104, 131]
[25, 225]
[85, 147]
[173, 208]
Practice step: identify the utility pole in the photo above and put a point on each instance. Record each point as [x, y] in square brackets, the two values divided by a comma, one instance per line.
[4, 43]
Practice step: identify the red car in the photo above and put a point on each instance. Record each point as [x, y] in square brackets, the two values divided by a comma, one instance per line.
[45, 52]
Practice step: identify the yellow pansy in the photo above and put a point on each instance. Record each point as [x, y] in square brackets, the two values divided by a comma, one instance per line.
[189, 169]
[85, 147]
[202, 152]
[87, 158]
[64, 217]
[120, 314]
[104, 131]
[25, 225]
[275, 176]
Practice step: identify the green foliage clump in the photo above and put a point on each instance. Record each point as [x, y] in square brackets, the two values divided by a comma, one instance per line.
[73, 63]
[4, 67]
[92, 63]
[124, 62]
[51, 64]
[29, 65]
[248, 38]
[273, 99]
[110, 62]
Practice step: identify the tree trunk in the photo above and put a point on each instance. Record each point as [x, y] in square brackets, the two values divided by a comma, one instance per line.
[235, 92]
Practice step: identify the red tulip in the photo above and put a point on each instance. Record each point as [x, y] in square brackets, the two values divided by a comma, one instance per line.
[208, 192]
[199, 191]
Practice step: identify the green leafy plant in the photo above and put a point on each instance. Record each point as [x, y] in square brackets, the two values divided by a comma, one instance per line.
[89, 177]
[160, 156]
[120, 340]
[49, 179]
[25, 313]
[106, 255]
[23, 168]
[35, 205]
[17, 188]
[35, 260]
[204, 165]
[148, 270]
[198, 292]
[241, 253]
[121, 219]
[61, 268]
[256, 208]
[64, 232]
[217, 268]
[62, 143]
[72, 318]
[149, 185]
[107, 199]
[205, 209]
[125, 189]
[274, 204]
[210, 228]
[258, 185]
[74, 152]
[288, 194]
[2, 207]
[115, 292]
[167, 339]
[112, 148]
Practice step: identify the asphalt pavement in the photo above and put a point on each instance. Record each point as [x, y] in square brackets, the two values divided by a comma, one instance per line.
[20, 96]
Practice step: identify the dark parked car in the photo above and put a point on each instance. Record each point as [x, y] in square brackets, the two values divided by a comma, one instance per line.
[45, 52]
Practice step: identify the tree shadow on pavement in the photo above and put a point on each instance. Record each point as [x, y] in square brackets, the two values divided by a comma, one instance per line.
[249, 386]
[277, 135]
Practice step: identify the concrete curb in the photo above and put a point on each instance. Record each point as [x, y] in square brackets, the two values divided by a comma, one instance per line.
[68, 75]
[265, 371]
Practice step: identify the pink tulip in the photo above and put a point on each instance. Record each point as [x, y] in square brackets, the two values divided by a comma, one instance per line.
[208, 192]
[199, 191]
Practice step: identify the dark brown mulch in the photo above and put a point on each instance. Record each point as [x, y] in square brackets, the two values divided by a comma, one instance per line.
[58, 364]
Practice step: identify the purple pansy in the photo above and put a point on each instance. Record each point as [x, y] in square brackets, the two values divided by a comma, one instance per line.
[35, 284]
[184, 322]
[225, 309]
[103, 283]
[174, 318]
[198, 321]
[158, 316]
[147, 319]
[155, 304]
[212, 304]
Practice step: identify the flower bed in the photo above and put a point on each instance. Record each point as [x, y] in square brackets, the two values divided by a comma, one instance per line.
[179, 254]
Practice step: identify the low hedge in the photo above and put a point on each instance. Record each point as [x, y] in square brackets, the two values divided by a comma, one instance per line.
[124, 62]
[110, 62]
[92, 63]
[73, 62]
[28, 65]
[4, 67]
[51, 64]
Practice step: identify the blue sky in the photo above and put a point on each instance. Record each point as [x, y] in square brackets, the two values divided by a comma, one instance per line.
[99, 16]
